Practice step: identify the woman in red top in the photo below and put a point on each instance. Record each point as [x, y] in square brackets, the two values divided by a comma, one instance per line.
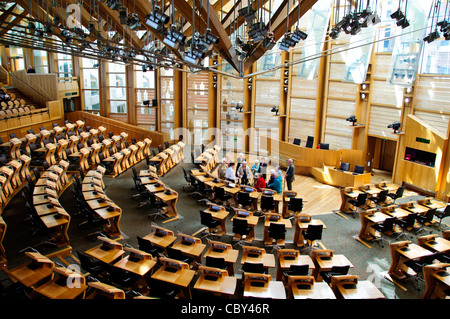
[260, 182]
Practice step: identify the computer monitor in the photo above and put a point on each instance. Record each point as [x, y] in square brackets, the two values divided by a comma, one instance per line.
[344, 167]
[359, 169]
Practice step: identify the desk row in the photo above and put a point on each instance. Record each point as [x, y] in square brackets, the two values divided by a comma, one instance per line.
[166, 159]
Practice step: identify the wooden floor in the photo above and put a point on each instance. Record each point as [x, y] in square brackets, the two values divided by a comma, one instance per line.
[320, 198]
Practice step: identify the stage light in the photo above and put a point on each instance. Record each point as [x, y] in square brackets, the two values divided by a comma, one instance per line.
[133, 21]
[396, 126]
[298, 35]
[194, 56]
[352, 119]
[432, 36]
[113, 4]
[157, 19]
[274, 110]
[123, 15]
[268, 42]
[174, 38]
[248, 13]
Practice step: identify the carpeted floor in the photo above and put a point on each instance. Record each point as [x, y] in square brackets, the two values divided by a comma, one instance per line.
[369, 263]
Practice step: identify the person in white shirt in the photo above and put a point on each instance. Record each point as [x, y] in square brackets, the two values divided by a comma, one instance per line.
[230, 175]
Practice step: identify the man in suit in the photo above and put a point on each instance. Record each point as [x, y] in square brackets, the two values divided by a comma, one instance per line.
[290, 173]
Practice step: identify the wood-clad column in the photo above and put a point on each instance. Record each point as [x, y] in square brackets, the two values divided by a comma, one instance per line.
[131, 96]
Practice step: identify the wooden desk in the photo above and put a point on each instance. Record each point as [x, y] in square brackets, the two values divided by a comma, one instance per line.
[288, 257]
[176, 273]
[60, 221]
[437, 280]
[305, 287]
[348, 193]
[137, 262]
[252, 221]
[112, 215]
[34, 272]
[430, 203]
[190, 246]
[301, 224]
[258, 255]
[57, 288]
[171, 201]
[105, 290]
[349, 287]
[370, 189]
[390, 187]
[369, 218]
[325, 259]
[287, 195]
[434, 243]
[278, 219]
[413, 207]
[225, 251]
[216, 280]
[108, 251]
[394, 211]
[262, 286]
[219, 213]
[155, 188]
[400, 253]
[161, 237]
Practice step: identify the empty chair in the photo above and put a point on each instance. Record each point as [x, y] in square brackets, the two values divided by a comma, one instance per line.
[207, 220]
[345, 167]
[358, 169]
[295, 204]
[93, 266]
[426, 219]
[177, 254]
[312, 234]
[219, 193]
[324, 146]
[121, 278]
[381, 198]
[147, 246]
[296, 270]
[297, 141]
[267, 203]
[241, 228]
[386, 228]
[359, 202]
[408, 222]
[309, 142]
[334, 271]
[257, 268]
[277, 231]
[189, 179]
[216, 262]
[398, 193]
[243, 199]
[441, 214]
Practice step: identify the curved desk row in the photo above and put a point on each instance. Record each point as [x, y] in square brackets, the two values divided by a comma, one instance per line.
[209, 158]
[46, 192]
[98, 201]
[168, 158]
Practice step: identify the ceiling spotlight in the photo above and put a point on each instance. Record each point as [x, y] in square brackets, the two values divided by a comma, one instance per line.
[31, 26]
[258, 31]
[133, 21]
[269, 42]
[401, 18]
[248, 13]
[432, 36]
[352, 119]
[194, 56]
[396, 126]
[174, 38]
[274, 110]
[403, 23]
[113, 4]
[286, 43]
[298, 35]
[123, 14]
[211, 38]
[157, 19]
[334, 33]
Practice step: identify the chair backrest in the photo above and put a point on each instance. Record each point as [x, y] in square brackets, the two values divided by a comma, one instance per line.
[219, 191]
[382, 195]
[298, 270]
[430, 214]
[277, 230]
[267, 202]
[296, 204]
[310, 141]
[359, 169]
[314, 232]
[257, 268]
[411, 219]
[174, 253]
[389, 223]
[144, 245]
[216, 262]
[297, 141]
[324, 146]
[339, 270]
[240, 226]
[205, 218]
[400, 191]
[85, 260]
[361, 199]
[344, 167]
[243, 197]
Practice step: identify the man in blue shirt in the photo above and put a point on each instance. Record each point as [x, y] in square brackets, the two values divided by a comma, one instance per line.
[277, 184]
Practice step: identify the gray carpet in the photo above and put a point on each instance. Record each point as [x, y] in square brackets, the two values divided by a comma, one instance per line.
[369, 263]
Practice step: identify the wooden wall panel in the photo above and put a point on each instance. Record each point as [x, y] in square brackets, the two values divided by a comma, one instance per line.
[385, 93]
[342, 90]
[380, 118]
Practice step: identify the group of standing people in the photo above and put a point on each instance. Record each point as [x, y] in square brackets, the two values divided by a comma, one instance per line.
[240, 172]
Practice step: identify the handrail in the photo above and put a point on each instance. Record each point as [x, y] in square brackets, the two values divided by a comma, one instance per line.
[48, 98]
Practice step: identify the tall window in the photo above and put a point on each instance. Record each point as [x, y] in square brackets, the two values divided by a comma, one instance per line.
[64, 65]
[90, 85]
[145, 91]
[16, 57]
[197, 104]
[117, 87]
[40, 61]
[167, 102]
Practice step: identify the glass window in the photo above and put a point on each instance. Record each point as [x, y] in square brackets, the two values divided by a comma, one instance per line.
[90, 85]
[117, 84]
[40, 61]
